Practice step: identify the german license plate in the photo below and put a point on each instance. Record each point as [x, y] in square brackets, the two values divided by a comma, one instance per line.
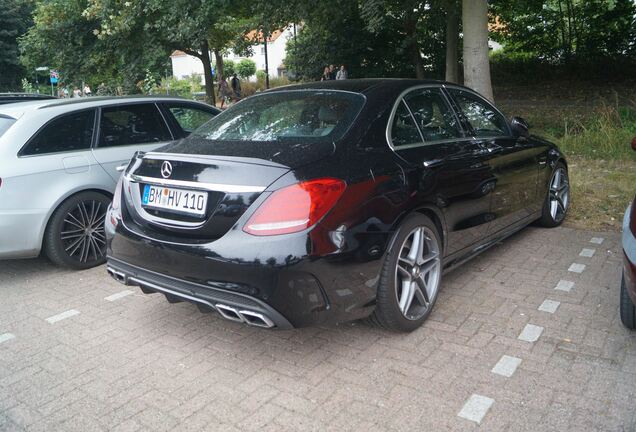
[175, 200]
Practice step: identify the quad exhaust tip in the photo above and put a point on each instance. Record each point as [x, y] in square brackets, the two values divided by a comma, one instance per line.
[245, 316]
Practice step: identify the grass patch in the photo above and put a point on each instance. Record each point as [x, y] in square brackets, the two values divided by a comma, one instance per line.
[601, 190]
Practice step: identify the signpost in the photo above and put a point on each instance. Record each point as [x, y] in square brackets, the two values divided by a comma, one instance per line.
[54, 77]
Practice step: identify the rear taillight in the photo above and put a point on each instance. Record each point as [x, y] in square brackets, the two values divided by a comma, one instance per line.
[632, 218]
[295, 208]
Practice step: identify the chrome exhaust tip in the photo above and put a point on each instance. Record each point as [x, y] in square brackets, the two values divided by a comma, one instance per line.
[256, 319]
[228, 312]
[117, 275]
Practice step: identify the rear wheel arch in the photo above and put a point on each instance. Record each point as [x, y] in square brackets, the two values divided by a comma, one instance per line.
[436, 216]
[64, 199]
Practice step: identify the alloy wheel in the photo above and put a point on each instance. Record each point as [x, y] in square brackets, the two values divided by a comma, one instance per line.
[82, 233]
[559, 194]
[417, 274]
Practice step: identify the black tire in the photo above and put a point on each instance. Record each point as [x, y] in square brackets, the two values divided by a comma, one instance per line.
[628, 310]
[80, 220]
[387, 313]
[547, 219]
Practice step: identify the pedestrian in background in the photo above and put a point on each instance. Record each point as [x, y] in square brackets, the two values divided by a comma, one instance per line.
[342, 73]
[77, 92]
[332, 72]
[87, 90]
[224, 91]
[236, 86]
[326, 76]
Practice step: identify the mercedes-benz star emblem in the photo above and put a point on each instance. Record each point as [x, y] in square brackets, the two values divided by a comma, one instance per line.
[166, 169]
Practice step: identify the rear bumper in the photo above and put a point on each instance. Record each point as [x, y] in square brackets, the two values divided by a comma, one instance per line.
[273, 276]
[232, 306]
[21, 233]
[629, 256]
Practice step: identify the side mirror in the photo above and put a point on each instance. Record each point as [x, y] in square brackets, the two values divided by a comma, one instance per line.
[634, 144]
[520, 127]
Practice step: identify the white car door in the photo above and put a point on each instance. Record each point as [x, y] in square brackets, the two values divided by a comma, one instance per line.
[125, 129]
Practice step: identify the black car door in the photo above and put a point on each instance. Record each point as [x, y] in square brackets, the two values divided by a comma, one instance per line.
[514, 161]
[444, 164]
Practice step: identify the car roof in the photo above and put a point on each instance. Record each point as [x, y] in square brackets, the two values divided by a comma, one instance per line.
[19, 109]
[359, 85]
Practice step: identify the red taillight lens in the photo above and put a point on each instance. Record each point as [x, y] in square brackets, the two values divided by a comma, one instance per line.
[296, 207]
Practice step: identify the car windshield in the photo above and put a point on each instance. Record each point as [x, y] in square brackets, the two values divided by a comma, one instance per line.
[303, 115]
[5, 124]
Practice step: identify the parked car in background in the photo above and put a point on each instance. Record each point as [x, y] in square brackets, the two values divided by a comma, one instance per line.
[59, 164]
[329, 202]
[7, 98]
[628, 279]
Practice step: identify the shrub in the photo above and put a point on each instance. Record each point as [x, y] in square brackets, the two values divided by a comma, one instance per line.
[229, 68]
[246, 68]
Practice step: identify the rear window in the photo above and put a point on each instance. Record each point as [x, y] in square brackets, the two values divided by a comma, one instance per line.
[301, 116]
[5, 124]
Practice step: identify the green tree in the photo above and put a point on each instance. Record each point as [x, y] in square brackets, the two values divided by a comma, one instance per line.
[196, 27]
[566, 31]
[15, 19]
[246, 68]
[229, 67]
[65, 36]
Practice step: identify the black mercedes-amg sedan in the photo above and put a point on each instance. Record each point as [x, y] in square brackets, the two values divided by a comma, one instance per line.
[329, 202]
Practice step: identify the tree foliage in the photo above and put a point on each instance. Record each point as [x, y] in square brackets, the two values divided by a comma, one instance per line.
[246, 68]
[65, 36]
[566, 31]
[15, 19]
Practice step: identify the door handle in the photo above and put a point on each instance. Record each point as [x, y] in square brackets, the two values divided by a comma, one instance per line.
[490, 147]
[121, 168]
[432, 163]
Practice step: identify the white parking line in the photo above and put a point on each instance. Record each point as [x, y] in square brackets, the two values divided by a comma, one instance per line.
[6, 337]
[118, 295]
[576, 268]
[549, 306]
[597, 240]
[506, 366]
[587, 253]
[530, 333]
[62, 316]
[564, 285]
[476, 408]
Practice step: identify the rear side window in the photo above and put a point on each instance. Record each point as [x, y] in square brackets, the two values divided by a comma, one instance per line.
[132, 124]
[484, 120]
[403, 130]
[189, 118]
[70, 132]
[5, 124]
[433, 115]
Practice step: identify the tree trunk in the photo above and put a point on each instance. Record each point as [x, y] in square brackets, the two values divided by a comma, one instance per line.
[218, 59]
[452, 41]
[207, 73]
[410, 27]
[476, 62]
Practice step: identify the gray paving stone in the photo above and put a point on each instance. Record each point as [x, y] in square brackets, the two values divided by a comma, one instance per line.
[530, 333]
[577, 268]
[588, 253]
[476, 408]
[506, 366]
[549, 306]
[564, 285]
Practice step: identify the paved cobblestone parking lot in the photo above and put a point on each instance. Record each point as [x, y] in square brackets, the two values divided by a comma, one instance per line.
[526, 337]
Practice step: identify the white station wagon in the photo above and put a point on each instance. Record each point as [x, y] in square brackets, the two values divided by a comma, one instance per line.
[60, 161]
